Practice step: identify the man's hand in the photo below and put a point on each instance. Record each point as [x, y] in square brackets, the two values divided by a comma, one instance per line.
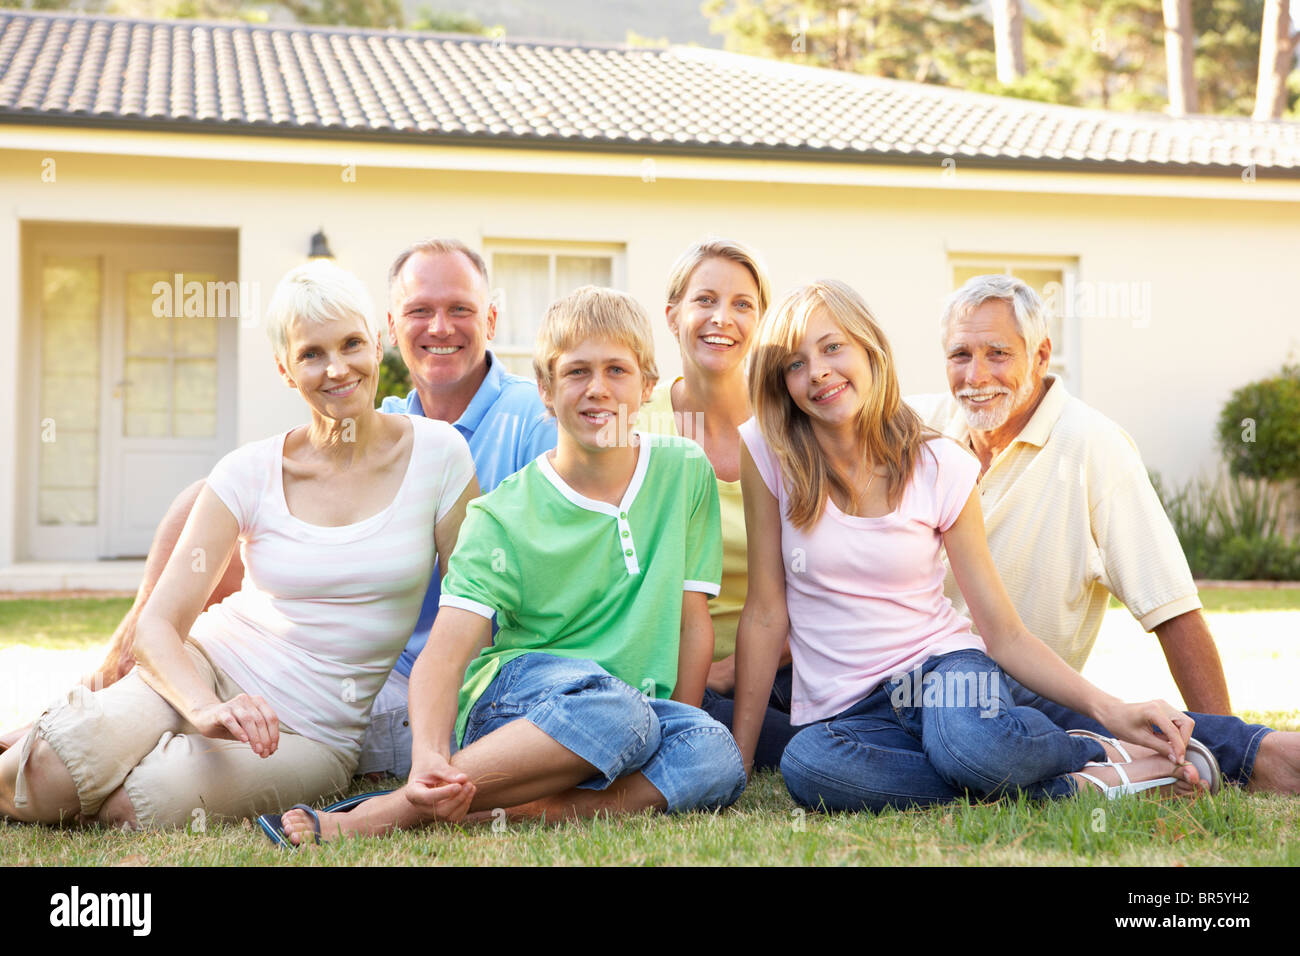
[246, 718]
[722, 676]
[437, 790]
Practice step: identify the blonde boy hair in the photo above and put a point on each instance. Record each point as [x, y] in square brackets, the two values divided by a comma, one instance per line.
[890, 432]
[591, 312]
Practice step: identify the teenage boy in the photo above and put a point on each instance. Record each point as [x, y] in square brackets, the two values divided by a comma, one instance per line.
[598, 560]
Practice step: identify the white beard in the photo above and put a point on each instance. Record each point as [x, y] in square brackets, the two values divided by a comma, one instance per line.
[990, 416]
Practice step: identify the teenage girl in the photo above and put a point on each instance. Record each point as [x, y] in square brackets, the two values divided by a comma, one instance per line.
[848, 501]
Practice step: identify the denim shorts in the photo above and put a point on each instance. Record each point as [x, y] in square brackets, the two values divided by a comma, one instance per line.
[685, 754]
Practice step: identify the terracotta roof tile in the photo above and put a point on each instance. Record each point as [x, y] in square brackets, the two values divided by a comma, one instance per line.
[186, 75]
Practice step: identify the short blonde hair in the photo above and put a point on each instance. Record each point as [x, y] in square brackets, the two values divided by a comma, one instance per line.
[318, 291]
[591, 312]
[717, 248]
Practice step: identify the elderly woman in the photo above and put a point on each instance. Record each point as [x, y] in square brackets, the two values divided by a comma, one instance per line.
[263, 699]
[717, 291]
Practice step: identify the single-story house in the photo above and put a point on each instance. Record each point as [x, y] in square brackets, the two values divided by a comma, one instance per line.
[158, 178]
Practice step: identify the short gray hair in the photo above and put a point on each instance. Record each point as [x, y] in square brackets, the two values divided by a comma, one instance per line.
[318, 291]
[1031, 316]
[435, 247]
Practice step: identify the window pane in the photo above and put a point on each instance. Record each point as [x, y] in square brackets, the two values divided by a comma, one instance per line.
[524, 288]
[574, 271]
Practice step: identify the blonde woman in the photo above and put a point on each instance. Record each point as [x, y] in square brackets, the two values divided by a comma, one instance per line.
[264, 698]
[848, 501]
[718, 289]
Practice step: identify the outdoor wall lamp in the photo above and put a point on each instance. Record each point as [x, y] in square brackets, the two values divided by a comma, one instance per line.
[320, 247]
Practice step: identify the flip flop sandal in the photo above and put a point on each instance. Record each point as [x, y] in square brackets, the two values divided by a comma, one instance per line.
[347, 804]
[272, 825]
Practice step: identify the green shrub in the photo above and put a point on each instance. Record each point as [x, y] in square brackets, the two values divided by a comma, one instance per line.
[1259, 428]
[1231, 531]
[394, 377]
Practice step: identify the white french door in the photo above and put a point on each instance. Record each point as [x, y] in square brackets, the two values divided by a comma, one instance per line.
[137, 384]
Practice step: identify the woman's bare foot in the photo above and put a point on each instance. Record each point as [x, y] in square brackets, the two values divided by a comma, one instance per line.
[1151, 766]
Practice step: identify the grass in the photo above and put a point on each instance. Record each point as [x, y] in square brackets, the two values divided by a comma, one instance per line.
[764, 828]
[80, 623]
[1232, 600]
[62, 625]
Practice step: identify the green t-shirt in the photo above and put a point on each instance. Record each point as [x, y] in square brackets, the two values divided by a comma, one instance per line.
[570, 576]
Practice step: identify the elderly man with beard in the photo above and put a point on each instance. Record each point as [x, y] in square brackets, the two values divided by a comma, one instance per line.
[1072, 518]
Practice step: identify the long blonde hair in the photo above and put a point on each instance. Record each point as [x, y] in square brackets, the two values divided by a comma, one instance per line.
[889, 431]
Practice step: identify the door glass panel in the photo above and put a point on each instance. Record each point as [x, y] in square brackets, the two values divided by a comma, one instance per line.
[68, 506]
[147, 333]
[171, 359]
[68, 482]
[147, 399]
[194, 385]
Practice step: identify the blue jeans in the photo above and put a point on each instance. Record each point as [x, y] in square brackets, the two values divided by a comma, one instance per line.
[947, 730]
[777, 730]
[1234, 743]
[686, 755]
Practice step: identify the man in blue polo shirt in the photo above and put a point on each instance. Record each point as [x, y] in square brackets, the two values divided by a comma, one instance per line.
[441, 317]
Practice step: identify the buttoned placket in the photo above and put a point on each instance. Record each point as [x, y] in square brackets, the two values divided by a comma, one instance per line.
[622, 524]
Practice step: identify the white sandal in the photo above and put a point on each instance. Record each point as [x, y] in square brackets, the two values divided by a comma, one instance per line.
[1197, 754]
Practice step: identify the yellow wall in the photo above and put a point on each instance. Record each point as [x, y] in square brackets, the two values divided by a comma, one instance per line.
[1220, 270]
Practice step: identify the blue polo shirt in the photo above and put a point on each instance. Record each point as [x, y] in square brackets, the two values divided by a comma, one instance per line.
[506, 426]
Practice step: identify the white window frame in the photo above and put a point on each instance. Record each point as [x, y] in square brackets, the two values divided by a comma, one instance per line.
[517, 354]
[1065, 362]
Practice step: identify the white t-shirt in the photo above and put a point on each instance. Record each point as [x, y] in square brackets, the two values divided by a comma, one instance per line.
[865, 595]
[323, 612]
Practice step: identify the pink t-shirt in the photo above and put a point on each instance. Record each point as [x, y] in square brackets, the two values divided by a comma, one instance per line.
[865, 595]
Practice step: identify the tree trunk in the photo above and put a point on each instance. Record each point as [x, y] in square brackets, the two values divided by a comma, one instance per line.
[1009, 40]
[1276, 54]
[1180, 42]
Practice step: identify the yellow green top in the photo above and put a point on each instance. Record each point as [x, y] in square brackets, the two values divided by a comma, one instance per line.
[657, 417]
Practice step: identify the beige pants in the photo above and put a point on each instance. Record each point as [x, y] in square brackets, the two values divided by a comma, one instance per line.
[126, 735]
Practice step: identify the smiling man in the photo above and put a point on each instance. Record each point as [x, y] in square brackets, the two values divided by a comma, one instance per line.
[442, 318]
[1072, 518]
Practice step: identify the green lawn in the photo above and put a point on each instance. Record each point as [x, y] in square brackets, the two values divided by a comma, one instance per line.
[1217, 600]
[763, 828]
[60, 625]
[87, 622]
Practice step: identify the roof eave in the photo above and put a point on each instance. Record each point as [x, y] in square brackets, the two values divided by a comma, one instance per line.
[646, 148]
